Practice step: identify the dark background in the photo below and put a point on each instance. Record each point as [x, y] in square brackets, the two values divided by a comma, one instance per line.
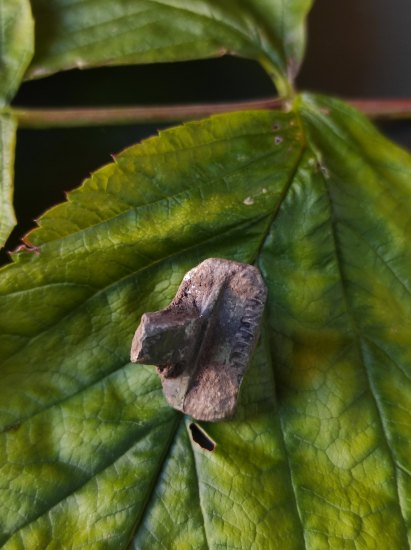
[355, 49]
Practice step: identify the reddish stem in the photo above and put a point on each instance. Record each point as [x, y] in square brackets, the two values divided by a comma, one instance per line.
[98, 116]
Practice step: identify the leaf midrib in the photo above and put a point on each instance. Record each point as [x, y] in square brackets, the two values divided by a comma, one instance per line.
[281, 430]
[112, 461]
[167, 452]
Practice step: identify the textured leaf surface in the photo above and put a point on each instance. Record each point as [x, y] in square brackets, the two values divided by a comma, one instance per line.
[99, 32]
[318, 455]
[16, 45]
[16, 50]
[8, 129]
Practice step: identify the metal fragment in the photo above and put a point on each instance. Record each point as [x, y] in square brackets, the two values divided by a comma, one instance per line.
[203, 341]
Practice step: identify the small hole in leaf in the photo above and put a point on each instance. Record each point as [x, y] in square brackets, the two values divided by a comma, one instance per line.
[201, 438]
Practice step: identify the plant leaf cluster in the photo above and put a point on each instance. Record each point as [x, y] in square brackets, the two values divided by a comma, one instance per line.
[318, 454]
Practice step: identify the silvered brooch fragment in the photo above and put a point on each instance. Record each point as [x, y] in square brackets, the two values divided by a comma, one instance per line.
[203, 341]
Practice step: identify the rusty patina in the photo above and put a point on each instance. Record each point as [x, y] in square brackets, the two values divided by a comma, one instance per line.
[202, 343]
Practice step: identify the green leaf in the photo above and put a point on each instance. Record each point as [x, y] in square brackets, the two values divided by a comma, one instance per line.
[318, 453]
[8, 128]
[107, 32]
[16, 51]
[16, 45]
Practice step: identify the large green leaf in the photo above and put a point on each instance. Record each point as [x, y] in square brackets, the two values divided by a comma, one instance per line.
[318, 455]
[8, 129]
[100, 32]
[16, 50]
[16, 45]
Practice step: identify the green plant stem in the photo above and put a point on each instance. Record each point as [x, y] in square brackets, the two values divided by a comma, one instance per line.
[99, 116]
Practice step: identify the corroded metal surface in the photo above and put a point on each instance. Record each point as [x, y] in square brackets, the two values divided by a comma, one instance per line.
[203, 341]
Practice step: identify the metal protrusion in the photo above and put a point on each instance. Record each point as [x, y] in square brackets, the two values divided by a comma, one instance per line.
[203, 341]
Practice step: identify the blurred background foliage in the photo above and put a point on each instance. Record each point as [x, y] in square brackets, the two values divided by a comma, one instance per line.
[355, 49]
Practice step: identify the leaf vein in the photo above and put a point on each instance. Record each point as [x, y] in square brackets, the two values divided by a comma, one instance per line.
[199, 494]
[122, 452]
[356, 332]
[166, 454]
